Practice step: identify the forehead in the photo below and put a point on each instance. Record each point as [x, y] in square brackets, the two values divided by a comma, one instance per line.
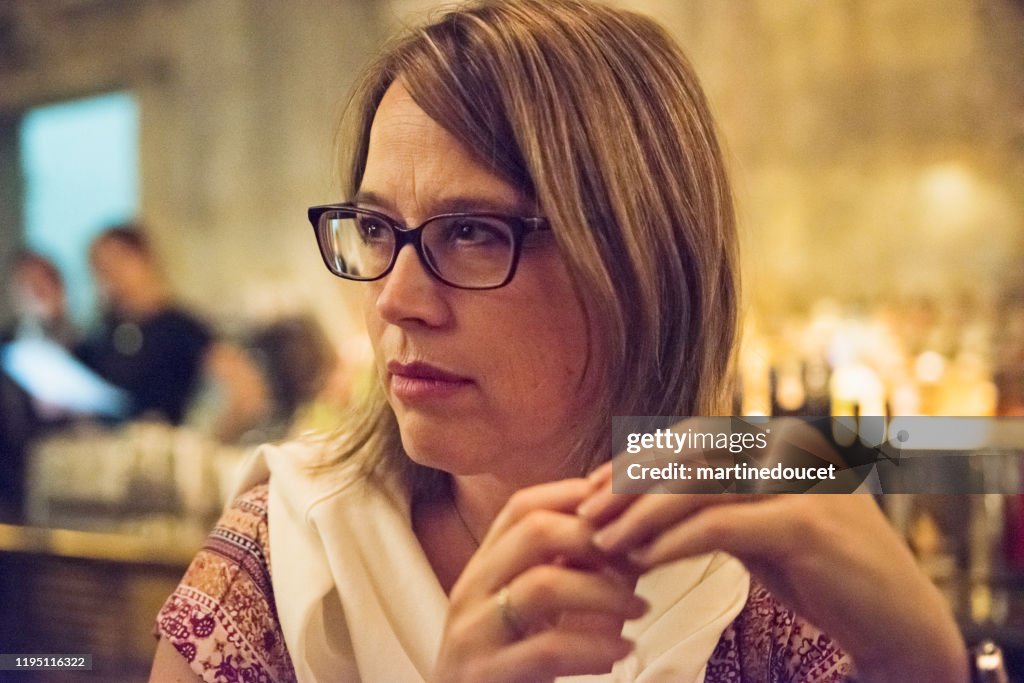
[112, 253]
[417, 168]
[31, 268]
[34, 275]
[105, 247]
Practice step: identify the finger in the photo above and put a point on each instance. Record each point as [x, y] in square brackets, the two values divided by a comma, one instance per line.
[542, 595]
[600, 475]
[604, 504]
[617, 568]
[645, 518]
[653, 514]
[554, 653]
[561, 496]
[547, 597]
[540, 537]
[748, 532]
[592, 622]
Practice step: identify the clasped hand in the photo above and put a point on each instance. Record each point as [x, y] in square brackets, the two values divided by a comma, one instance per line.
[554, 580]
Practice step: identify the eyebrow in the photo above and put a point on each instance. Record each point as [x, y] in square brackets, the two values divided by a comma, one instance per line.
[453, 204]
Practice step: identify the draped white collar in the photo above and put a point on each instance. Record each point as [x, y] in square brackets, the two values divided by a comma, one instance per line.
[358, 600]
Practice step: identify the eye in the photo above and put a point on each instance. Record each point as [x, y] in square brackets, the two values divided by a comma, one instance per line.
[477, 231]
[372, 230]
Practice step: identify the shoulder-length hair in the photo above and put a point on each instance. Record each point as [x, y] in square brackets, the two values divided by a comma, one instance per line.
[595, 114]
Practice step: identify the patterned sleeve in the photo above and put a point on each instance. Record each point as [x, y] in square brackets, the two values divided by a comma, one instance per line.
[221, 617]
[768, 642]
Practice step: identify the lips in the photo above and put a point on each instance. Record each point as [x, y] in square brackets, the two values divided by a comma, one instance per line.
[415, 382]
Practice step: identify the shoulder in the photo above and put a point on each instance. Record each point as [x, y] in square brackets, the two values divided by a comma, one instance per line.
[241, 533]
[304, 475]
[182, 322]
[769, 642]
[222, 617]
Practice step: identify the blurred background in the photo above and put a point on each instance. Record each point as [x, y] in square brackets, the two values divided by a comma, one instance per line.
[877, 150]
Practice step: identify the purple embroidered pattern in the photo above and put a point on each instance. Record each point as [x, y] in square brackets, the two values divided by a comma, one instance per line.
[223, 621]
[221, 618]
[769, 643]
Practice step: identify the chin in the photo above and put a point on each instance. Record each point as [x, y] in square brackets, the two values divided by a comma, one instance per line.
[443, 449]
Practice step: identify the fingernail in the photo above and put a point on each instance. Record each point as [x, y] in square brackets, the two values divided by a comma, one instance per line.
[604, 540]
[638, 558]
[599, 474]
[586, 508]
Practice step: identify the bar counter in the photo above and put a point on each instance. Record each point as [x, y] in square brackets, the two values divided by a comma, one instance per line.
[174, 547]
[65, 591]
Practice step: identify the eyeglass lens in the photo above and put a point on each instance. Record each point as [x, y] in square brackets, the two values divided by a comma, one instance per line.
[467, 251]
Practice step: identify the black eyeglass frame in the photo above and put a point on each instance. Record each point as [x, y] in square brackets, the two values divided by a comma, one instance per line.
[520, 227]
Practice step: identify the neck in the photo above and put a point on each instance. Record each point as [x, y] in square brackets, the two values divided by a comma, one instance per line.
[478, 500]
[450, 530]
[480, 497]
[146, 302]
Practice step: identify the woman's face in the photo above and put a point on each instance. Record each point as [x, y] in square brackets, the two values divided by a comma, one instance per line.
[482, 382]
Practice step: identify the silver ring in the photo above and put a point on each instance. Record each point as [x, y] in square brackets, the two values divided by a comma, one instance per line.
[513, 620]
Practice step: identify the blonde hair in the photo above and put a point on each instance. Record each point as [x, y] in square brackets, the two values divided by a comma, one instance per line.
[595, 114]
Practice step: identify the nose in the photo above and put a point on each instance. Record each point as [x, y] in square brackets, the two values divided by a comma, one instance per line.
[409, 295]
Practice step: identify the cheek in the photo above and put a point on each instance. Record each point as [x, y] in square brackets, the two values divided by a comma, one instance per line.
[546, 402]
[370, 318]
[548, 347]
[374, 324]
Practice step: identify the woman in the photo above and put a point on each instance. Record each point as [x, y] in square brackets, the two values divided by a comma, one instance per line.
[590, 271]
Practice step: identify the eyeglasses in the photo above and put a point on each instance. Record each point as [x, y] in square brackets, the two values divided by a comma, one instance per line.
[464, 250]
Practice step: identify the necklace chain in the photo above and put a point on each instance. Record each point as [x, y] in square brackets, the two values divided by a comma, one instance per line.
[465, 524]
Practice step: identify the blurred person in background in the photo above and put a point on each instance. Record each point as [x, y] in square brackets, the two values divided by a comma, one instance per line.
[298, 361]
[36, 290]
[157, 351]
[540, 220]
